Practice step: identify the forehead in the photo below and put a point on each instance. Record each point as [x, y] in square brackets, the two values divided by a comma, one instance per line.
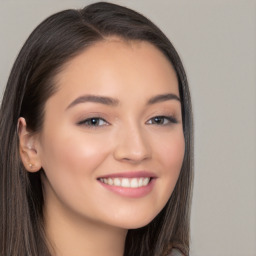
[115, 66]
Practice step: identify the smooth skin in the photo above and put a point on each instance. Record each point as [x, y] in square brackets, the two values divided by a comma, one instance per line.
[83, 140]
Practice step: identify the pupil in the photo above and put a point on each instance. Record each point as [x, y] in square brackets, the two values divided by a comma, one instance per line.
[158, 120]
[94, 121]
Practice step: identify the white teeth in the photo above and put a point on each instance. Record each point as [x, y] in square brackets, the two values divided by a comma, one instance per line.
[134, 183]
[145, 181]
[117, 182]
[126, 182]
[110, 181]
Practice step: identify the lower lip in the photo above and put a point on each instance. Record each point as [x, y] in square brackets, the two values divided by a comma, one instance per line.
[131, 192]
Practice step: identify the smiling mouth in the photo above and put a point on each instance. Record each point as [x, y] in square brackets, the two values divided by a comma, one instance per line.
[126, 182]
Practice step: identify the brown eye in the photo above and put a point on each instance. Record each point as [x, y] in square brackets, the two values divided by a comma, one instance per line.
[94, 122]
[162, 120]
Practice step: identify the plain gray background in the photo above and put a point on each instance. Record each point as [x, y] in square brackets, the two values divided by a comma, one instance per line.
[217, 43]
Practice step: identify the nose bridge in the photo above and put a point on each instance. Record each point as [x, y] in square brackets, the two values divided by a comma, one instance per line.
[132, 144]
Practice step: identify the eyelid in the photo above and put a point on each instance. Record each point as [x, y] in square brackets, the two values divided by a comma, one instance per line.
[88, 119]
[170, 120]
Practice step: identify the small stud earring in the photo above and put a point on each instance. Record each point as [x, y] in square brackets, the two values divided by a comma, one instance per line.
[30, 165]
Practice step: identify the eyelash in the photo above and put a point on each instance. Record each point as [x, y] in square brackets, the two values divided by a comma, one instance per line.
[94, 122]
[164, 120]
[89, 122]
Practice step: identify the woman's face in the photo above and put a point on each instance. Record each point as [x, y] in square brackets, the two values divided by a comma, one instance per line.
[112, 142]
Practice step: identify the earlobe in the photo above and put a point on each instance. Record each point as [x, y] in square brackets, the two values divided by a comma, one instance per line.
[28, 147]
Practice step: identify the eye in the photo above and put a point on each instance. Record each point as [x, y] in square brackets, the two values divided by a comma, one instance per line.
[162, 120]
[93, 122]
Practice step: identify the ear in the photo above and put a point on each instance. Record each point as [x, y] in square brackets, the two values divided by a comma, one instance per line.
[28, 147]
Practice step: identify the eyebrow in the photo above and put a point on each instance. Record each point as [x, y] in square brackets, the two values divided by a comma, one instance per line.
[94, 98]
[115, 102]
[163, 97]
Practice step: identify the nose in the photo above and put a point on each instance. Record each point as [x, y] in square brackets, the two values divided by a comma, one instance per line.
[132, 145]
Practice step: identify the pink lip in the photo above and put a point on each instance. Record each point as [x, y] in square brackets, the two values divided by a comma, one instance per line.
[130, 192]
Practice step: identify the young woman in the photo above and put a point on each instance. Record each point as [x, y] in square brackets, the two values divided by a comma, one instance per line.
[96, 140]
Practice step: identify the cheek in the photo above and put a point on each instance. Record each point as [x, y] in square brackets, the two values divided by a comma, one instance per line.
[64, 148]
[171, 150]
[174, 153]
[71, 158]
[71, 162]
[170, 155]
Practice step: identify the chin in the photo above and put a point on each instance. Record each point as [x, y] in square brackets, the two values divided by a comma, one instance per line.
[135, 222]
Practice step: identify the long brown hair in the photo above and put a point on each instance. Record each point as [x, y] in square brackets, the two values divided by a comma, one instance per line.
[55, 41]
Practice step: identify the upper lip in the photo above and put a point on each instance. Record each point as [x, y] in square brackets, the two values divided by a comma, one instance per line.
[130, 174]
